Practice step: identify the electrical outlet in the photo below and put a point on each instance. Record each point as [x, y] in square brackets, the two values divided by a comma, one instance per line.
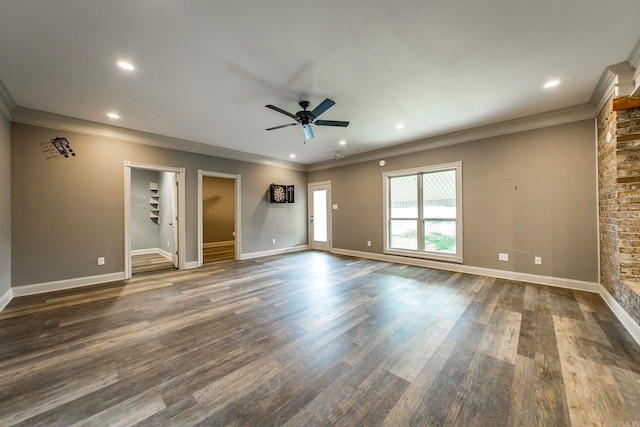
[538, 260]
[368, 242]
[503, 257]
[273, 242]
[101, 260]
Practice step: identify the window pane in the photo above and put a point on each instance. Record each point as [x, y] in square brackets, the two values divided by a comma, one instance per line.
[403, 196]
[440, 236]
[404, 234]
[439, 194]
[320, 216]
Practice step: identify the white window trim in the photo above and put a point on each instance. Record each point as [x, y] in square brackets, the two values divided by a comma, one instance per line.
[457, 257]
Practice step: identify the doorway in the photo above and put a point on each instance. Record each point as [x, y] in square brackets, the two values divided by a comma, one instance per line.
[219, 230]
[319, 208]
[154, 233]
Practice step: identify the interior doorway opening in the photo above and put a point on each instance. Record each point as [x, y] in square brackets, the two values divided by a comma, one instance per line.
[218, 217]
[154, 208]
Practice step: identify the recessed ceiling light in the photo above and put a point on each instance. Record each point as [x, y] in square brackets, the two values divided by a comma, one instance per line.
[293, 156]
[113, 115]
[343, 142]
[551, 83]
[399, 126]
[125, 65]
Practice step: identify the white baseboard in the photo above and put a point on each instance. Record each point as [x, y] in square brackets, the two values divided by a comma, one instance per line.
[6, 299]
[164, 253]
[632, 327]
[621, 314]
[218, 244]
[58, 285]
[480, 271]
[190, 265]
[151, 251]
[272, 252]
[144, 251]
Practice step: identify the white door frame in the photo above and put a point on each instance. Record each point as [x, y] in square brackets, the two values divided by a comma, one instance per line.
[127, 211]
[310, 188]
[238, 227]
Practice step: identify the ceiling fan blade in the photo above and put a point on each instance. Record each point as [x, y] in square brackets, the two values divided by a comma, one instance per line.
[322, 107]
[308, 132]
[280, 110]
[281, 126]
[331, 123]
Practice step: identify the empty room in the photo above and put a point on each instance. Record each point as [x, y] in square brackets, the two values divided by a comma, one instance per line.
[410, 213]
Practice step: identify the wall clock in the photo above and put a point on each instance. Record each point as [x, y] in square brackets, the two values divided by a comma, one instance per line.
[278, 193]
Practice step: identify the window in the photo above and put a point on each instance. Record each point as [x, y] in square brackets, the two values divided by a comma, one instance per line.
[423, 212]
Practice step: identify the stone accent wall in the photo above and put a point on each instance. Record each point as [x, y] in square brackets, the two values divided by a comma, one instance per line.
[619, 200]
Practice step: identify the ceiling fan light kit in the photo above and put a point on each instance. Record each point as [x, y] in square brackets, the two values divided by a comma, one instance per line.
[307, 118]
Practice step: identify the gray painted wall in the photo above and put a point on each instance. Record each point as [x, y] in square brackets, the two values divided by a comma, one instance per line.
[5, 204]
[144, 231]
[218, 209]
[552, 213]
[68, 212]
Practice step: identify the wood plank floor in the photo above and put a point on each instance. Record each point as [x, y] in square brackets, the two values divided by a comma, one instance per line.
[142, 264]
[316, 339]
[219, 253]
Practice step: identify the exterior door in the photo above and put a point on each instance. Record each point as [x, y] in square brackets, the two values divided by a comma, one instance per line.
[320, 216]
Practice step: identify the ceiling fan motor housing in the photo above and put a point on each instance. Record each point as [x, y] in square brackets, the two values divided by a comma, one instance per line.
[305, 117]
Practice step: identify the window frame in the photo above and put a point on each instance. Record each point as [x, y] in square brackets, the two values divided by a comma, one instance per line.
[421, 252]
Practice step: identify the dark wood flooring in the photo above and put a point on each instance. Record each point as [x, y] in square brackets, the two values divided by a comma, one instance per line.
[316, 339]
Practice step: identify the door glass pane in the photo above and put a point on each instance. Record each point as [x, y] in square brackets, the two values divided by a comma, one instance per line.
[439, 194]
[404, 234]
[403, 195]
[320, 215]
[440, 236]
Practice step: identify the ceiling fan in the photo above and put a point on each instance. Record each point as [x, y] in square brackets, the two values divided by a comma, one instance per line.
[307, 118]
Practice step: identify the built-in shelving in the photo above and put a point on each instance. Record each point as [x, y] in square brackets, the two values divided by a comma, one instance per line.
[154, 202]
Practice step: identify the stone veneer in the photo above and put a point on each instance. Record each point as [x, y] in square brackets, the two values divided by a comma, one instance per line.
[619, 203]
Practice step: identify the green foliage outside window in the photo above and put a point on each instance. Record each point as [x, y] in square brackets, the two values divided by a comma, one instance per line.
[442, 242]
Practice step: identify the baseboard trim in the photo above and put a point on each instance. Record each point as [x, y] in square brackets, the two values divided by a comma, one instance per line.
[151, 251]
[627, 321]
[273, 252]
[621, 314]
[218, 244]
[480, 271]
[190, 265]
[165, 254]
[6, 298]
[58, 285]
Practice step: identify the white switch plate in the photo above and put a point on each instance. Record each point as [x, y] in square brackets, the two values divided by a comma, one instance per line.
[101, 260]
[335, 206]
[503, 257]
[538, 260]
[273, 242]
[368, 242]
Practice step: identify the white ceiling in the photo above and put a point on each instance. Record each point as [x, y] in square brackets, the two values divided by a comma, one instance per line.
[206, 69]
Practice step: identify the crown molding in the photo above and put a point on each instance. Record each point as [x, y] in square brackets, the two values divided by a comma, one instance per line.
[634, 60]
[537, 121]
[71, 124]
[7, 104]
[634, 56]
[616, 80]
[604, 90]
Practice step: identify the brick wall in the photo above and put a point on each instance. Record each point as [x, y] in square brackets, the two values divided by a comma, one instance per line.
[619, 204]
